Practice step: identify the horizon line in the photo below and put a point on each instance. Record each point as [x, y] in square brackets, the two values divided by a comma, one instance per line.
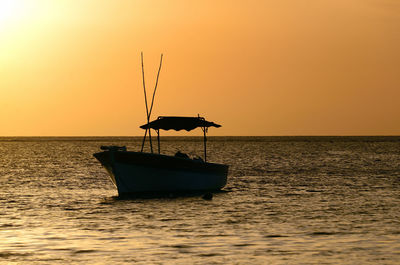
[127, 136]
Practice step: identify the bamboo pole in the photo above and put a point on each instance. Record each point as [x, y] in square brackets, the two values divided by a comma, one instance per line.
[144, 139]
[148, 112]
[155, 88]
[147, 109]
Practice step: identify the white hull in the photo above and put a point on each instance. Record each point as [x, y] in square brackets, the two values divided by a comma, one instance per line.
[133, 172]
[132, 178]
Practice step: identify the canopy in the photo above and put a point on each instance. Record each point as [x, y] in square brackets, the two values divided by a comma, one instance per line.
[178, 123]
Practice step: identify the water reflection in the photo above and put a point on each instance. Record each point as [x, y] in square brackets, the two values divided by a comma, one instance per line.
[287, 202]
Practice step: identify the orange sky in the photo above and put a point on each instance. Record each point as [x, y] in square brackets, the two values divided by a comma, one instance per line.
[273, 67]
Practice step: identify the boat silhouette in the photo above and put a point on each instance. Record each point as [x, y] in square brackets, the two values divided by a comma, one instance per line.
[139, 173]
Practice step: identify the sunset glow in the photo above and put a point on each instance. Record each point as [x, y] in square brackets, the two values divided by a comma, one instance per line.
[257, 67]
[12, 10]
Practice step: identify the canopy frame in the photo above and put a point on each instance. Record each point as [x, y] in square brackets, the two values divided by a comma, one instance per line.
[179, 123]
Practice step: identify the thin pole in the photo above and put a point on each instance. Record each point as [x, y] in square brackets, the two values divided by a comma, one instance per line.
[155, 88]
[158, 140]
[205, 144]
[152, 102]
[144, 138]
[147, 109]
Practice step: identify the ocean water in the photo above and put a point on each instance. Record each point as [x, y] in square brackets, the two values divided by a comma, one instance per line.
[289, 200]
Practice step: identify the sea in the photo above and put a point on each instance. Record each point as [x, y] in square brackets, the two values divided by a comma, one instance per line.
[288, 200]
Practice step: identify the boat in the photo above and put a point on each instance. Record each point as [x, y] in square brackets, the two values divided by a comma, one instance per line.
[141, 173]
[155, 174]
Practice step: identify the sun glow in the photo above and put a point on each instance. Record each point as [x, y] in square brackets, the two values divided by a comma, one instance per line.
[262, 67]
[10, 11]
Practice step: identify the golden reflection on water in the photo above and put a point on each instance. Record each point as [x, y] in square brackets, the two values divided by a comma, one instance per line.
[287, 201]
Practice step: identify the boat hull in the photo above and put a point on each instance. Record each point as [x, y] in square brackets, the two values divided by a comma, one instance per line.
[138, 173]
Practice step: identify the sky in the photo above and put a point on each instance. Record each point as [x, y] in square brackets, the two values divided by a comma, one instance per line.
[271, 67]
